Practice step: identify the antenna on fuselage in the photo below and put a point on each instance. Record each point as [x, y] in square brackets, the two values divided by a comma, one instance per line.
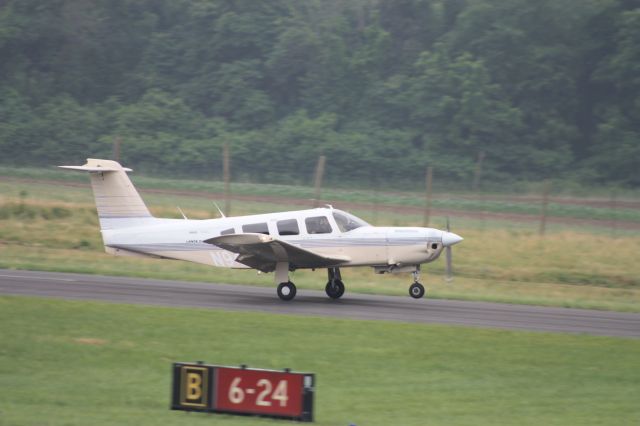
[184, 216]
[219, 211]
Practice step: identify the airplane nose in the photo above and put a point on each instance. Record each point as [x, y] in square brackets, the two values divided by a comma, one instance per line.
[449, 238]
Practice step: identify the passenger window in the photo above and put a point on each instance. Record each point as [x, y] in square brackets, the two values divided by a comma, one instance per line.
[318, 225]
[256, 228]
[288, 227]
[228, 231]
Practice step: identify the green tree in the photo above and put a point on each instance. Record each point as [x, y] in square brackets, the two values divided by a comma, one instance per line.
[616, 149]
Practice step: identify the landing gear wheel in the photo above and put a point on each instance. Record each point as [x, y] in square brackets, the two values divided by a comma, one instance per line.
[334, 289]
[286, 291]
[416, 290]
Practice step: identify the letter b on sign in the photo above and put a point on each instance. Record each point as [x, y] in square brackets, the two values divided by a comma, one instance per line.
[194, 387]
[191, 386]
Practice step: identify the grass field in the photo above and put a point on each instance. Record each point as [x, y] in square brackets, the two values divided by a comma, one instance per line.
[79, 363]
[52, 227]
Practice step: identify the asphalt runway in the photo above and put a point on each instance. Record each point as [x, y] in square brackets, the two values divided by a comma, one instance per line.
[316, 303]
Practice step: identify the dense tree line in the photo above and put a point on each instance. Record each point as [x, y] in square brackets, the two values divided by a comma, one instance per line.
[545, 88]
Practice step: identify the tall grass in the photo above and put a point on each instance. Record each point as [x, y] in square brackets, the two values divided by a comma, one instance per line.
[463, 201]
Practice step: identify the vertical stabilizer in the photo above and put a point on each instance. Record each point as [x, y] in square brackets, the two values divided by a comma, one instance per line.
[118, 203]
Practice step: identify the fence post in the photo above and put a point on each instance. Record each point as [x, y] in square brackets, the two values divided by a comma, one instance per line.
[545, 203]
[478, 171]
[376, 199]
[614, 212]
[226, 172]
[116, 148]
[427, 199]
[318, 180]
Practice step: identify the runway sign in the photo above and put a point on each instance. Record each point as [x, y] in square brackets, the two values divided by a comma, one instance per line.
[192, 383]
[245, 391]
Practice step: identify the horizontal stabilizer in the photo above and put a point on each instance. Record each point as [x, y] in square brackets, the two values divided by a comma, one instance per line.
[262, 252]
[96, 169]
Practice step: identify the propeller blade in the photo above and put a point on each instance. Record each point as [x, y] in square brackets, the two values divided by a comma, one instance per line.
[449, 259]
[449, 254]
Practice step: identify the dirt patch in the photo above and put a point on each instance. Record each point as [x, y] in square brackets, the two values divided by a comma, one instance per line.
[90, 341]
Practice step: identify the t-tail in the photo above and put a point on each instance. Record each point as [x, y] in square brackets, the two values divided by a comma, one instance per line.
[118, 203]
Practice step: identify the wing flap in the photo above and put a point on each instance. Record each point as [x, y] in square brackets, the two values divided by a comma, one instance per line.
[262, 252]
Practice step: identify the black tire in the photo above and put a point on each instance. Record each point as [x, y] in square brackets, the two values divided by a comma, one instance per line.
[416, 290]
[334, 289]
[286, 291]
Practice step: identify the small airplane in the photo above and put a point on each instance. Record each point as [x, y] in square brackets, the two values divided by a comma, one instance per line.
[275, 242]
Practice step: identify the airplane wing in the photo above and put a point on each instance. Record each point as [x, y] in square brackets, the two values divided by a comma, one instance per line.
[262, 252]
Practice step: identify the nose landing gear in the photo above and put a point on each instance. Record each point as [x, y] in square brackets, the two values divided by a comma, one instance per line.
[416, 290]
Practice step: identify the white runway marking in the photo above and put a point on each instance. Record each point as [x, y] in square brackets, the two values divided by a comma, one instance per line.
[37, 278]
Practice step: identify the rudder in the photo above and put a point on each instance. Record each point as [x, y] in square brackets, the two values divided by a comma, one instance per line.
[117, 200]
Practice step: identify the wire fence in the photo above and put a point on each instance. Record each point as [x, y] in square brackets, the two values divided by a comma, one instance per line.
[540, 208]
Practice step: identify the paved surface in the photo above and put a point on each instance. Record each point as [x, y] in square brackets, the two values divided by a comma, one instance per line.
[365, 307]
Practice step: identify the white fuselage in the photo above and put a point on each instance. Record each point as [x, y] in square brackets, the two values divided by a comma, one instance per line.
[366, 245]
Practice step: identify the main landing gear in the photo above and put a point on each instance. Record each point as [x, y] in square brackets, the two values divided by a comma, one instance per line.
[416, 290]
[287, 289]
[334, 287]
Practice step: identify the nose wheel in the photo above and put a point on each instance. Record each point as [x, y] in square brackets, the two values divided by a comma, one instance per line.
[416, 290]
[286, 291]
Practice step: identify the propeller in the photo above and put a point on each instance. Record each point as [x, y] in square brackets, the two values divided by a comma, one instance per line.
[449, 257]
[448, 240]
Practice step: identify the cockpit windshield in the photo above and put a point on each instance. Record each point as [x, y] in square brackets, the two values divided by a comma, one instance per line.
[347, 222]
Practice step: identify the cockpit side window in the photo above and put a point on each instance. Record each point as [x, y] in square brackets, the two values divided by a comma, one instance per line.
[256, 228]
[288, 227]
[318, 225]
[228, 231]
[347, 222]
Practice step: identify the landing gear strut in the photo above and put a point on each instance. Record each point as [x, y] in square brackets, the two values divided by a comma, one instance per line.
[416, 290]
[335, 287]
